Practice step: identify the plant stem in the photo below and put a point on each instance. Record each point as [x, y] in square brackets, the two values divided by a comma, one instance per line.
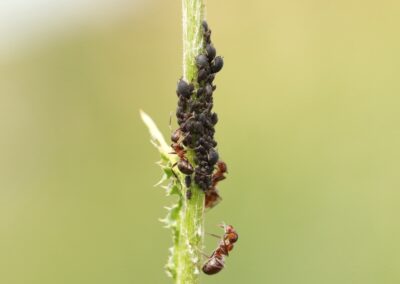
[191, 218]
[192, 17]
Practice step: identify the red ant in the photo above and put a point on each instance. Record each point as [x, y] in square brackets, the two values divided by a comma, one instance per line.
[216, 261]
[177, 136]
[212, 197]
[219, 174]
[183, 164]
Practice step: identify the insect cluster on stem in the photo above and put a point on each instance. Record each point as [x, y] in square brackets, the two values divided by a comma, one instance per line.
[197, 124]
[195, 135]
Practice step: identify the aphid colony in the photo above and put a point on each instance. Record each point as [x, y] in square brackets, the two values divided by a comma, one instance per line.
[196, 125]
[216, 261]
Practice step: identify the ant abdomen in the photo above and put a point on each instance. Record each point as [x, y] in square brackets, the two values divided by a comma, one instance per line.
[213, 265]
[185, 167]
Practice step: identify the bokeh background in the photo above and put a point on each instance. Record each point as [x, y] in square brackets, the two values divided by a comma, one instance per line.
[308, 101]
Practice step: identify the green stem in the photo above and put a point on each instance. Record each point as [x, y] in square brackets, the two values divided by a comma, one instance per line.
[191, 218]
[192, 17]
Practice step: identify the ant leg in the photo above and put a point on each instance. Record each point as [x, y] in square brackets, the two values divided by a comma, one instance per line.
[173, 172]
[203, 254]
[181, 139]
[214, 235]
[170, 121]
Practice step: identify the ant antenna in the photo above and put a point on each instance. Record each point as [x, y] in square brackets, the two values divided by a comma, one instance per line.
[170, 122]
[223, 225]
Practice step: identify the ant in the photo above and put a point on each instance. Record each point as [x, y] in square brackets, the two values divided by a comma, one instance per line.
[212, 197]
[216, 261]
[183, 164]
[219, 174]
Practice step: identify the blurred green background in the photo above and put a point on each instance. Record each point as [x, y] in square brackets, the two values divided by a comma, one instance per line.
[308, 102]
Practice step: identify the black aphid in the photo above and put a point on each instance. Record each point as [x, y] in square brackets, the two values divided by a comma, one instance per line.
[213, 157]
[208, 90]
[202, 75]
[211, 51]
[217, 64]
[202, 61]
[184, 89]
[188, 181]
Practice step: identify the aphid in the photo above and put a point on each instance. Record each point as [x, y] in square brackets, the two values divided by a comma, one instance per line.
[202, 75]
[210, 78]
[212, 157]
[180, 112]
[188, 140]
[187, 123]
[202, 179]
[188, 181]
[182, 102]
[208, 90]
[200, 92]
[202, 117]
[189, 194]
[210, 127]
[211, 51]
[207, 36]
[197, 127]
[205, 25]
[217, 64]
[214, 118]
[202, 62]
[216, 261]
[200, 150]
[184, 89]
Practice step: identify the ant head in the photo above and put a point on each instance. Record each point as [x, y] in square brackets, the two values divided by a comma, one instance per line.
[176, 135]
[222, 166]
[229, 230]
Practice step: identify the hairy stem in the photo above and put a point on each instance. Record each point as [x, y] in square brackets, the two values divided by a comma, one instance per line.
[192, 17]
[191, 218]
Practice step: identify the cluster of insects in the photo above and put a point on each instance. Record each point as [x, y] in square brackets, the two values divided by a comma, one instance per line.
[196, 132]
[196, 124]
[215, 263]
